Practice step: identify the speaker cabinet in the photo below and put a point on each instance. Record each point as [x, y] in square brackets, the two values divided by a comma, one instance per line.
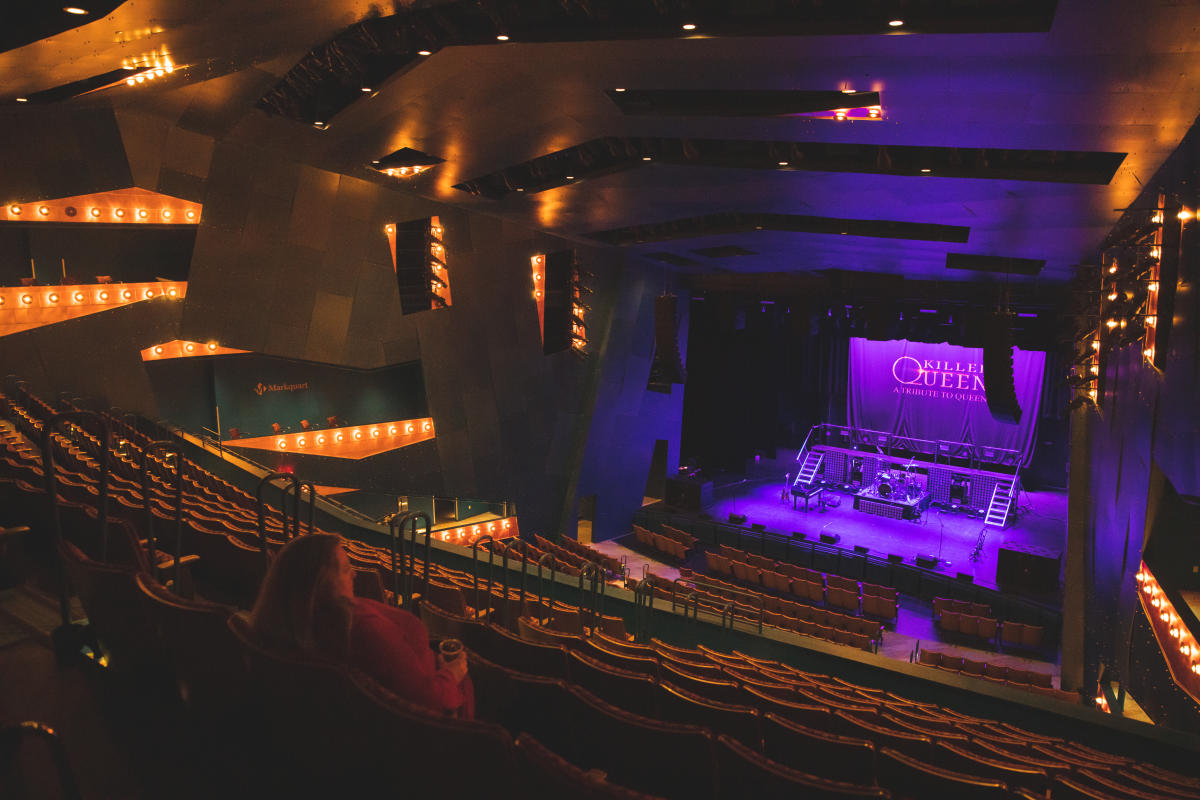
[559, 294]
[928, 562]
[830, 538]
[895, 559]
[414, 266]
[998, 382]
[667, 366]
[737, 519]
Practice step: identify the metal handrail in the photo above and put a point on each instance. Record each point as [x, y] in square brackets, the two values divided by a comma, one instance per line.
[402, 581]
[13, 736]
[643, 608]
[761, 605]
[312, 503]
[150, 449]
[262, 519]
[541, 586]
[51, 478]
[597, 590]
[487, 537]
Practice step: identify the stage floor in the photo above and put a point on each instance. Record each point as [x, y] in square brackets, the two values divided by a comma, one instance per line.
[948, 535]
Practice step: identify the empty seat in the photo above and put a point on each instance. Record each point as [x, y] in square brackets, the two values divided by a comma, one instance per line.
[744, 773]
[911, 777]
[546, 774]
[739, 721]
[949, 621]
[664, 758]
[600, 650]
[502, 647]
[521, 702]
[722, 691]
[913, 744]
[633, 691]
[818, 752]
[930, 658]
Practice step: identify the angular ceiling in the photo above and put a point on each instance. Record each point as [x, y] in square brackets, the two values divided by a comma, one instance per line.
[1098, 93]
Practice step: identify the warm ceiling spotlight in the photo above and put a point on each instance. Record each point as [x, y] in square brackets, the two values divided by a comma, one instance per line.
[76, 10]
[338, 437]
[1148, 352]
[191, 214]
[646, 158]
[43, 210]
[140, 78]
[26, 299]
[570, 177]
[158, 73]
[143, 213]
[365, 89]
[166, 213]
[1112, 295]
[840, 115]
[358, 435]
[189, 347]
[120, 212]
[212, 346]
[374, 433]
[14, 210]
[77, 297]
[158, 350]
[391, 430]
[52, 297]
[427, 426]
[926, 169]
[689, 26]
[1112, 270]
[895, 23]
[783, 163]
[424, 53]
[389, 228]
[1112, 323]
[1184, 215]
[22, 99]
[126, 294]
[408, 428]
[130, 81]
[501, 37]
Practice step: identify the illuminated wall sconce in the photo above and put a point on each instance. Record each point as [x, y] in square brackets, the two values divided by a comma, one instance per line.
[537, 266]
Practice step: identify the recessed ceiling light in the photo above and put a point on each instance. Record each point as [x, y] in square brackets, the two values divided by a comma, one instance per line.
[847, 91]
[925, 169]
[501, 37]
[76, 10]
[645, 158]
[366, 88]
[783, 163]
[424, 53]
[689, 26]
[22, 99]
[570, 177]
[896, 23]
[319, 124]
[618, 90]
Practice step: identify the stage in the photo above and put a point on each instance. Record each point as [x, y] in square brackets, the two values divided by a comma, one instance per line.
[950, 536]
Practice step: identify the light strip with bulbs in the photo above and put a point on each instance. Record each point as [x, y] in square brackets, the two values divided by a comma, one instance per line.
[537, 265]
[440, 275]
[467, 535]
[182, 348]
[118, 207]
[1177, 643]
[353, 442]
[24, 308]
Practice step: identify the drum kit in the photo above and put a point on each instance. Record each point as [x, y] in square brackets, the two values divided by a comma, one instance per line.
[897, 484]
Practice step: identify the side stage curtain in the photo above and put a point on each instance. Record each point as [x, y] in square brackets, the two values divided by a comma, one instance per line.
[936, 391]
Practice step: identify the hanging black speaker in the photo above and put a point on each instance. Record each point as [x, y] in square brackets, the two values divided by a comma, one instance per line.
[414, 276]
[667, 367]
[558, 291]
[998, 381]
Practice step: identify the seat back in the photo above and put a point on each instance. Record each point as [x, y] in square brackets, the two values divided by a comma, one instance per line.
[634, 691]
[546, 774]
[739, 721]
[663, 758]
[599, 649]
[711, 688]
[818, 752]
[207, 658]
[742, 772]
[508, 649]
[909, 776]
[113, 602]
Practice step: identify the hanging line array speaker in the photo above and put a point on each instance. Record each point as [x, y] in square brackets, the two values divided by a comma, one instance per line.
[998, 380]
[667, 366]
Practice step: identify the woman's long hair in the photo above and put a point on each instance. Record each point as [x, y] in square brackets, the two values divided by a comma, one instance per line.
[300, 606]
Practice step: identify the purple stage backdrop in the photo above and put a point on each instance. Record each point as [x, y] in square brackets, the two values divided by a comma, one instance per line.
[936, 391]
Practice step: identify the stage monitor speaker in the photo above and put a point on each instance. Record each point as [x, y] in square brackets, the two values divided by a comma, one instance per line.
[737, 519]
[830, 538]
[667, 366]
[998, 382]
[758, 526]
[798, 535]
[858, 548]
[895, 559]
[964, 577]
[928, 562]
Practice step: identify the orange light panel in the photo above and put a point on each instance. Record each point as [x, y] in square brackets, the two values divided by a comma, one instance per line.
[353, 442]
[179, 349]
[537, 266]
[467, 535]
[1178, 645]
[120, 206]
[24, 308]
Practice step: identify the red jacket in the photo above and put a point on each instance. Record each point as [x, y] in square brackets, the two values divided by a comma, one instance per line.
[392, 646]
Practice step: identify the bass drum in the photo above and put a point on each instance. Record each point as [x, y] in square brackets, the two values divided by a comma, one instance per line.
[884, 486]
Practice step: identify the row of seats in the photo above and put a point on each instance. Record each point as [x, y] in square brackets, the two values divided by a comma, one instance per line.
[662, 543]
[577, 554]
[806, 585]
[941, 604]
[818, 726]
[992, 631]
[1035, 680]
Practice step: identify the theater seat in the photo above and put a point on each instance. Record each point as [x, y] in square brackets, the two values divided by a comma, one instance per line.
[543, 773]
[911, 777]
[818, 752]
[739, 721]
[744, 773]
[634, 691]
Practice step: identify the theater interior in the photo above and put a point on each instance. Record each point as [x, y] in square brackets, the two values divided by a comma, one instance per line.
[779, 398]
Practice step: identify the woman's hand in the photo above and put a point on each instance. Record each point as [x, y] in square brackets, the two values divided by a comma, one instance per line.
[457, 667]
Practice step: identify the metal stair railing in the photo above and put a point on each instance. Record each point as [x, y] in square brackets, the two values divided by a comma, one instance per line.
[165, 447]
[262, 518]
[402, 580]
